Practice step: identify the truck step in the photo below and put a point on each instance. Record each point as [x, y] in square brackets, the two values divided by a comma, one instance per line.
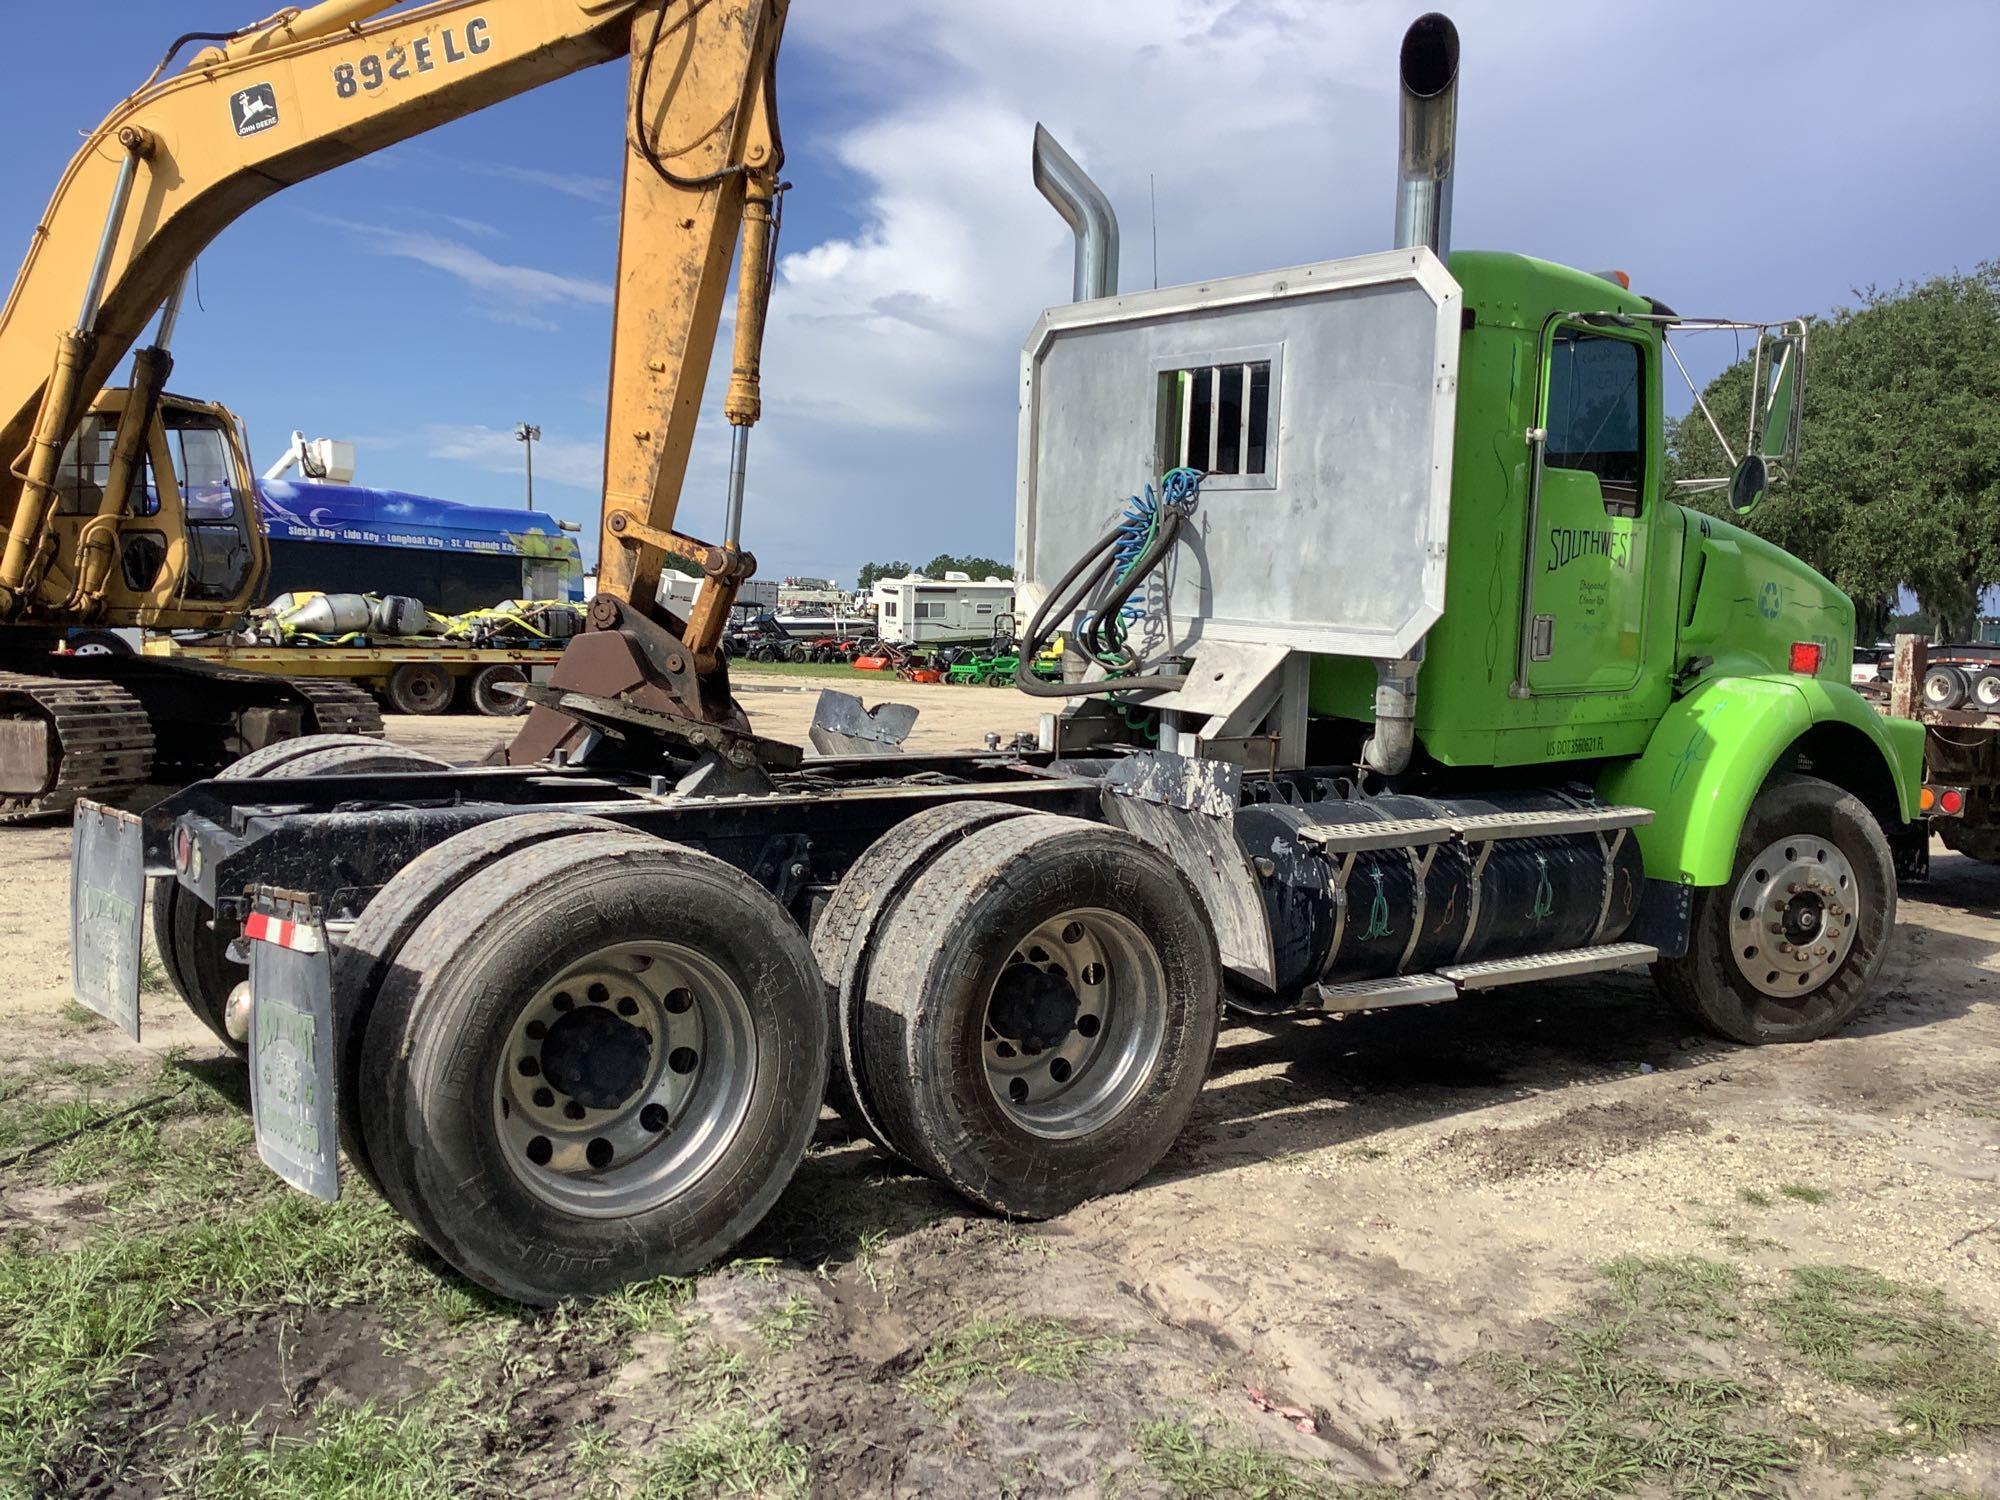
[1561, 822]
[1396, 833]
[1461, 979]
[1377, 994]
[1493, 972]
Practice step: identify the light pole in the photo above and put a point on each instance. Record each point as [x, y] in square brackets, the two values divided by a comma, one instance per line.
[526, 433]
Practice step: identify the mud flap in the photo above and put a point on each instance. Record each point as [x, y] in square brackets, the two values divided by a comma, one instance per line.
[107, 902]
[291, 1043]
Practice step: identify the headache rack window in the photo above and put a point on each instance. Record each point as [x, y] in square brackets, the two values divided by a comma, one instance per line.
[1216, 417]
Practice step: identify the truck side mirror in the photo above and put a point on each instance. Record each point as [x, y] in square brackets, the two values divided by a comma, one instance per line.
[1748, 483]
[1780, 381]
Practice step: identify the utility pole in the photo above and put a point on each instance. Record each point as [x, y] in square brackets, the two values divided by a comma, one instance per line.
[526, 433]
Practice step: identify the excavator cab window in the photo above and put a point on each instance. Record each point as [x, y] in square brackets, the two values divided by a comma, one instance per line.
[86, 468]
[215, 512]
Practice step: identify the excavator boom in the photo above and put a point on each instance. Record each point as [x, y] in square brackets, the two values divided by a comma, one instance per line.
[307, 91]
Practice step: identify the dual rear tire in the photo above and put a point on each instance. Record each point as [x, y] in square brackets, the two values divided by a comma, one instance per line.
[585, 1056]
[1026, 1006]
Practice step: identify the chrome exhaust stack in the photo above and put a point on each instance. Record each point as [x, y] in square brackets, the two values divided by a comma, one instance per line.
[1428, 138]
[1088, 213]
[1426, 144]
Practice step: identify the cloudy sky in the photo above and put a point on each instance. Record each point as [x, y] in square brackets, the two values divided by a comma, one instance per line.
[1754, 159]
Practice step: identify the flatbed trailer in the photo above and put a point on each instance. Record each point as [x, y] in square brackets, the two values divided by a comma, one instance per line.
[416, 676]
[1960, 797]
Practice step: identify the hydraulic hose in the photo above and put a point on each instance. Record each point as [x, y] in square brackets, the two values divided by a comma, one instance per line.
[1101, 636]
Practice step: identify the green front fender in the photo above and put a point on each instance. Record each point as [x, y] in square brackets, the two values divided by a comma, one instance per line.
[1715, 746]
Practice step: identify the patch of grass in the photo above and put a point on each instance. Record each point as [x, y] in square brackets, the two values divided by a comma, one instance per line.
[153, 975]
[1804, 1192]
[1755, 1197]
[656, 1306]
[1684, 1291]
[72, 1018]
[1601, 1419]
[1369, 1153]
[731, 1454]
[783, 1326]
[807, 669]
[1936, 1371]
[999, 1353]
[1197, 1467]
[71, 1320]
[416, 1453]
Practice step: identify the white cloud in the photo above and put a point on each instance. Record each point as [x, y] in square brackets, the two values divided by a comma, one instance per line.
[576, 462]
[524, 295]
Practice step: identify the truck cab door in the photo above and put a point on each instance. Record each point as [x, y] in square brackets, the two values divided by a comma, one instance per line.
[1584, 621]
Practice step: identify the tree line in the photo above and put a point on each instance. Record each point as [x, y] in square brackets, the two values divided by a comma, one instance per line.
[1897, 484]
[937, 567]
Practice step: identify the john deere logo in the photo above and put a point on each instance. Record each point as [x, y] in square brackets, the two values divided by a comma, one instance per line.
[254, 109]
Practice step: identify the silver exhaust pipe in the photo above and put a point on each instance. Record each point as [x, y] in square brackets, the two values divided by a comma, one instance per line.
[1088, 213]
[1428, 139]
[1426, 144]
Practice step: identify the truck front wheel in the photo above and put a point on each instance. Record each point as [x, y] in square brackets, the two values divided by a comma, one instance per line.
[1787, 950]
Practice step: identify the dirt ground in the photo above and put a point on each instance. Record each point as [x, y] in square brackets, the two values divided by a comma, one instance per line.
[1545, 1242]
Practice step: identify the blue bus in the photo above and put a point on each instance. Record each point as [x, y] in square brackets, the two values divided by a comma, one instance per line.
[350, 539]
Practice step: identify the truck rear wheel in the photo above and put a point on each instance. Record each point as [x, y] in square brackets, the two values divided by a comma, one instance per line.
[194, 954]
[844, 937]
[372, 947]
[1040, 1014]
[597, 1062]
[1786, 951]
[420, 687]
[485, 697]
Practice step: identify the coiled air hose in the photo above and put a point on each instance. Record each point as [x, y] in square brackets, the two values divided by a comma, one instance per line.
[1125, 556]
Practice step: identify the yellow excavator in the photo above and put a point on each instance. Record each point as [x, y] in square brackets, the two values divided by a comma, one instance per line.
[133, 507]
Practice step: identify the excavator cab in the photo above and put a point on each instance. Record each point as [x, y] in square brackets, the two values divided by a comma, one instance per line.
[188, 542]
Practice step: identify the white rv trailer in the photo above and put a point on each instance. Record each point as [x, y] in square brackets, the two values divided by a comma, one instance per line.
[920, 611]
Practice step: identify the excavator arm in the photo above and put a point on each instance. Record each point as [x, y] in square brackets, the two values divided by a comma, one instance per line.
[310, 90]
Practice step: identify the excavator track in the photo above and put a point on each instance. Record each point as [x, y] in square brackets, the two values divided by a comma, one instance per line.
[339, 707]
[103, 741]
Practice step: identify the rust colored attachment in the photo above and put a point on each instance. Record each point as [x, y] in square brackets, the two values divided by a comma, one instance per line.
[626, 657]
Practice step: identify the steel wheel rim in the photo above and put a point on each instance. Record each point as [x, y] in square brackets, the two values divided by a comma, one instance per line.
[1792, 916]
[690, 1079]
[1062, 1087]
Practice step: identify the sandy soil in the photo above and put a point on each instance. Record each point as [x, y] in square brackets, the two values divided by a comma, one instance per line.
[1358, 1209]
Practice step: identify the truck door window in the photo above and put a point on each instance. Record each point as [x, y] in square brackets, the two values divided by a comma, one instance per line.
[1596, 414]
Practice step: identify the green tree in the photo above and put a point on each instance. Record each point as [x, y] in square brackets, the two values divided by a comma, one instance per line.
[870, 572]
[971, 567]
[937, 567]
[1898, 479]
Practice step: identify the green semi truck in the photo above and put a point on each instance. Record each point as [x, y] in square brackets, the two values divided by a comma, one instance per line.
[1395, 673]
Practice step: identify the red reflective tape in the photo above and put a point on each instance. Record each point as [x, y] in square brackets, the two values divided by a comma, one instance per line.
[263, 928]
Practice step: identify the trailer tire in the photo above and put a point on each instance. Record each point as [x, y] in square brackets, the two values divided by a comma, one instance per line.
[371, 949]
[844, 937]
[1813, 861]
[482, 691]
[1986, 690]
[1945, 686]
[969, 997]
[537, 1209]
[196, 956]
[420, 687]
